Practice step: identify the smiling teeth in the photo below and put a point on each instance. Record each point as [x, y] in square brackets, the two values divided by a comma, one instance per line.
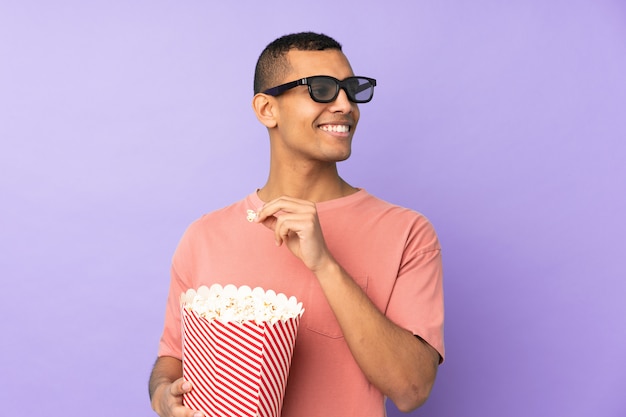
[336, 128]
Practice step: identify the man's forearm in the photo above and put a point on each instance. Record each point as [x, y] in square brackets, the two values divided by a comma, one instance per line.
[401, 365]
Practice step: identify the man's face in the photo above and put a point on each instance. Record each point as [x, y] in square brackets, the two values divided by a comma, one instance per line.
[311, 131]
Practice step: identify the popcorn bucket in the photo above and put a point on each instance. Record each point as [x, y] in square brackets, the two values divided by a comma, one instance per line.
[238, 367]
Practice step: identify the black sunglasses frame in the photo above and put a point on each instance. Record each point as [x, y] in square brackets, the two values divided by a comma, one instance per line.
[339, 85]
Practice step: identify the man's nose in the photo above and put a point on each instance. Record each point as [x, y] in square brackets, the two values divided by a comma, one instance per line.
[342, 103]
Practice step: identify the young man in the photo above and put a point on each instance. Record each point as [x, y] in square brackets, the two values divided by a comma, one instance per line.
[368, 272]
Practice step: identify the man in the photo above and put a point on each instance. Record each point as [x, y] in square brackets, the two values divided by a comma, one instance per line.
[368, 272]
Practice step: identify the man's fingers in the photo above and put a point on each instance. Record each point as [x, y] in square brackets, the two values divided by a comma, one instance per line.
[290, 225]
[284, 204]
[180, 387]
[269, 222]
[186, 412]
[177, 389]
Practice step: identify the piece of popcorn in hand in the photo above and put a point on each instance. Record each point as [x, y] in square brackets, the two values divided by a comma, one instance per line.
[251, 215]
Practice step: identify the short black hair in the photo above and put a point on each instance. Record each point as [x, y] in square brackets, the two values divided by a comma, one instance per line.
[273, 65]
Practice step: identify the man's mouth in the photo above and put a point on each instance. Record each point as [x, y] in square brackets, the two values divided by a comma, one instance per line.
[335, 128]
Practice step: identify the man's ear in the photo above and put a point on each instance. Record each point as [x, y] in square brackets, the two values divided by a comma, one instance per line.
[264, 107]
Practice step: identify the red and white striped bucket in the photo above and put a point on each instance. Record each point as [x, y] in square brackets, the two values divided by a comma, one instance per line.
[238, 369]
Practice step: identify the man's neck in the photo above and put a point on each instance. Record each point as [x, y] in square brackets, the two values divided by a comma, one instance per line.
[311, 185]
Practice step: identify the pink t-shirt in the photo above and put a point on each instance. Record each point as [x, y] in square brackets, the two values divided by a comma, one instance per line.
[391, 252]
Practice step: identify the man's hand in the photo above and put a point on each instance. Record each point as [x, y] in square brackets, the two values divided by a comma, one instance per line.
[295, 223]
[167, 397]
[168, 400]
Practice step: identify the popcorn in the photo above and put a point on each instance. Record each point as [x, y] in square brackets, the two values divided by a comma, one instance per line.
[237, 349]
[251, 215]
[241, 304]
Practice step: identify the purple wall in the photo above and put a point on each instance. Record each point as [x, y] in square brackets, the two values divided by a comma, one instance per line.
[503, 122]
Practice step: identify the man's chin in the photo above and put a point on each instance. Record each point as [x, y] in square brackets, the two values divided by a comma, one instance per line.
[342, 157]
[345, 158]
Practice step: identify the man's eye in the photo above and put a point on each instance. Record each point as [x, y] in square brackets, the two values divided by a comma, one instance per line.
[321, 90]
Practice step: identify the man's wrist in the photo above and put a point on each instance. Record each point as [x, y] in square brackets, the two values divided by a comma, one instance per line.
[329, 270]
[156, 393]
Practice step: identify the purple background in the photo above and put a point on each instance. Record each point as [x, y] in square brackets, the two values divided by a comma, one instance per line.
[503, 122]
